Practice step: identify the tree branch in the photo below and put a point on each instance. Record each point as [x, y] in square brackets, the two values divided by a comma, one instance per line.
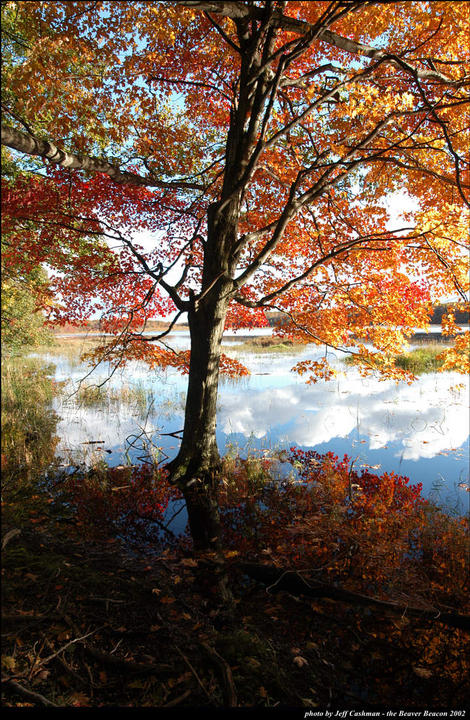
[355, 244]
[30, 145]
[292, 582]
[240, 10]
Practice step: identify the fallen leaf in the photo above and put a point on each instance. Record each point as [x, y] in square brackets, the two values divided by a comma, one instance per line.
[79, 699]
[8, 662]
[188, 562]
[137, 684]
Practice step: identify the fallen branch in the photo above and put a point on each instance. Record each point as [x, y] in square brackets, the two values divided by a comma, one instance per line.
[46, 660]
[199, 681]
[177, 700]
[127, 665]
[65, 665]
[16, 618]
[230, 694]
[29, 694]
[292, 582]
[9, 536]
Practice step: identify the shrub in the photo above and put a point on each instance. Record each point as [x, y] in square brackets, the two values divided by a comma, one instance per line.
[374, 534]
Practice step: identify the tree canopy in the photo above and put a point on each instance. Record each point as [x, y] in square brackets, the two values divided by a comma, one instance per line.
[258, 145]
[348, 103]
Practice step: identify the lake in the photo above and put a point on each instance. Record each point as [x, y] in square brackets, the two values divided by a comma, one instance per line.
[419, 430]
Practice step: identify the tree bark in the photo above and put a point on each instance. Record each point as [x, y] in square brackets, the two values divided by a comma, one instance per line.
[196, 468]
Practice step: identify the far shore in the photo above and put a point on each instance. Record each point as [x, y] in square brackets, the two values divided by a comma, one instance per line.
[70, 332]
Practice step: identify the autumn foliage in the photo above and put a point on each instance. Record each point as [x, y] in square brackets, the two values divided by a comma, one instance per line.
[371, 102]
[217, 160]
[134, 606]
[373, 534]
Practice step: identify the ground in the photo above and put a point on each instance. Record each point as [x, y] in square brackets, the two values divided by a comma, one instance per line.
[89, 621]
[87, 624]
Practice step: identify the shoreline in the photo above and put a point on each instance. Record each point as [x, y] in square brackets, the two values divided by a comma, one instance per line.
[420, 337]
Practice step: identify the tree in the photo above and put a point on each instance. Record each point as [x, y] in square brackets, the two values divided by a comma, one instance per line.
[22, 321]
[258, 141]
[24, 293]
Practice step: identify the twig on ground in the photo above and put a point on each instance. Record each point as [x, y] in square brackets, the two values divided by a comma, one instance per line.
[230, 694]
[194, 673]
[9, 536]
[66, 666]
[27, 693]
[177, 700]
[45, 661]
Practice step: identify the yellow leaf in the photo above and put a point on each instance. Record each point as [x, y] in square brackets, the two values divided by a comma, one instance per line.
[188, 562]
[8, 662]
[79, 699]
[137, 684]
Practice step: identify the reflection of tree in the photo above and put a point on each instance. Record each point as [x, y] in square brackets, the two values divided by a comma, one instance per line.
[28, 423]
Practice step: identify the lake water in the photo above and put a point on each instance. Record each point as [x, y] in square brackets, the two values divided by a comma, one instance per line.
[421, 431]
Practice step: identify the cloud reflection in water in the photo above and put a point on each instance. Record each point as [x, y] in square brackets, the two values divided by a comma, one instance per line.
[425, 418]
[395, 425]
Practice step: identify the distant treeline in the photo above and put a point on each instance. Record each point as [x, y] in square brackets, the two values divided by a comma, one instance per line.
[273, 318]
[461, 317]
[94, 327]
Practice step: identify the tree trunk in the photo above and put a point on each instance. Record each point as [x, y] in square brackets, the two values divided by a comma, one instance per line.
[196, 468]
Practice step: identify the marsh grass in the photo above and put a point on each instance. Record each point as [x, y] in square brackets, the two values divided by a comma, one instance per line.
[28, 422]
[266, 345]
[421, 360]
[69, 348]
[106, 397]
